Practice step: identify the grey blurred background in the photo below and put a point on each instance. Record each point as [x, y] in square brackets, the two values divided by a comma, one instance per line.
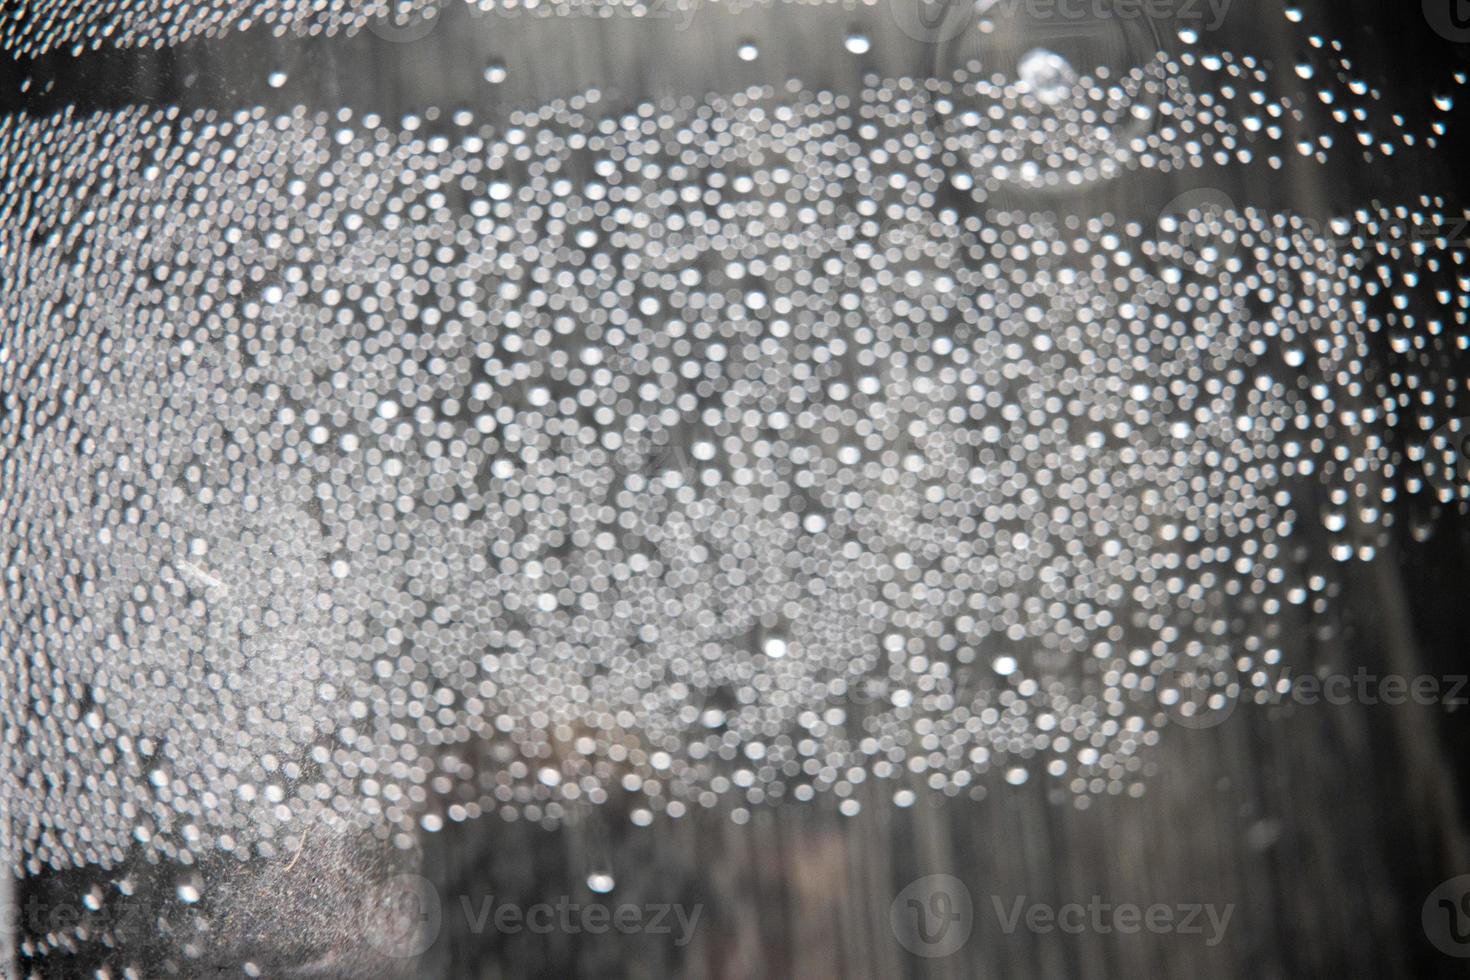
[1324, 828]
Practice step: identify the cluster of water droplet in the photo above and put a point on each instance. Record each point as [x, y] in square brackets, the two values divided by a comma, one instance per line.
[34, 27]
[718, 452]
[700, 453]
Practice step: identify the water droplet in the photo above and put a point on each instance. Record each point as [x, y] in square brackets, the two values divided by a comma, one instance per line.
[600, 882]
[857, 43]
[1047, 74]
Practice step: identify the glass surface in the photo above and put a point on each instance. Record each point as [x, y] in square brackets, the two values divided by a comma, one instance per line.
[591, 489]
